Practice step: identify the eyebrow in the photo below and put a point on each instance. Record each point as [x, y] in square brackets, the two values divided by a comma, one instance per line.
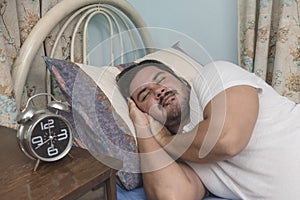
[144, 89]
[156, 75]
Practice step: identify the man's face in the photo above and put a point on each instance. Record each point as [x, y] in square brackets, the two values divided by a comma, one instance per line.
[160, 94]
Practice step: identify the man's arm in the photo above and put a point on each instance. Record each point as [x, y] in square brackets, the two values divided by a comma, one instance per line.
[163, 177]
[229, 119]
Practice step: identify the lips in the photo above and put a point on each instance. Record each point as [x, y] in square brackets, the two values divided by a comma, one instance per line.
[167, 99]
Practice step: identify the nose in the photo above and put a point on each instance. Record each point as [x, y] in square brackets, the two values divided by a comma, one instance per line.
[159, 92]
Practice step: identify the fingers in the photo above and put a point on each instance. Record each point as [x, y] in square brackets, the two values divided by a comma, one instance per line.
[133, 108]
[146, 126]
[131, 103]
[138, 117]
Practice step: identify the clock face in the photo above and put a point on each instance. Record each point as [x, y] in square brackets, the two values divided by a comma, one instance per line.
[51, 138]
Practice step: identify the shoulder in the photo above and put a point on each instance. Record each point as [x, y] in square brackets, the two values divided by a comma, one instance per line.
[223, 67]
[223, 72]
[217, 72]
[218, 76]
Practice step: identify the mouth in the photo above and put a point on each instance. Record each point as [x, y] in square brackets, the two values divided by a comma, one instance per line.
[168, 98]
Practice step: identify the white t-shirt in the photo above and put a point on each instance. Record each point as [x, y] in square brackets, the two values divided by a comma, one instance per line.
[269, 167]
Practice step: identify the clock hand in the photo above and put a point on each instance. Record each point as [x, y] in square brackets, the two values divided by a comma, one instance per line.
[38, 146]
[49, 139]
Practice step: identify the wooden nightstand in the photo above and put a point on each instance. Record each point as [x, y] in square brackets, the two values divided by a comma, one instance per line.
[64, 179]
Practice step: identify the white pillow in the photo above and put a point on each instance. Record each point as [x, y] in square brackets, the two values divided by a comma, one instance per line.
[183, 65]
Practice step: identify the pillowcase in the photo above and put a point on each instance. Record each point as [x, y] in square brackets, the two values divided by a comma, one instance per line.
[100, 116]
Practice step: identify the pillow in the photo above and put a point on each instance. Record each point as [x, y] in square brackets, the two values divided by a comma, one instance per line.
[100, 116]
[96, 125]
[175, 58]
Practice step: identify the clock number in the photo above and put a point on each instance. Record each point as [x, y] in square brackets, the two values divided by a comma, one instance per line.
[48, 125]
[37, 140]
[63, 135]
[52, 151]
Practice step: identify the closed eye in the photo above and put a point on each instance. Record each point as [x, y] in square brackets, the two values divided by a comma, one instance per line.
[145, 96]
[142, 95]
[161, 80]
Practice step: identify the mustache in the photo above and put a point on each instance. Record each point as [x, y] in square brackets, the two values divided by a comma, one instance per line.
[166, 94]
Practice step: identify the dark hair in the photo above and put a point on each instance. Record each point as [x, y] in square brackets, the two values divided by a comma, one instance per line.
[125, 77]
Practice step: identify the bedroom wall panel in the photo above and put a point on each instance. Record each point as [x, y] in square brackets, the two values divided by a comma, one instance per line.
[212, 23]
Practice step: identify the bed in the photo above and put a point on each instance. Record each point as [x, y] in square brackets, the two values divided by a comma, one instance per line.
[49, 34]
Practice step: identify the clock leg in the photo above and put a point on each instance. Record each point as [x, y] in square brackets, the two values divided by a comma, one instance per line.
[36, 165]
[70, 156]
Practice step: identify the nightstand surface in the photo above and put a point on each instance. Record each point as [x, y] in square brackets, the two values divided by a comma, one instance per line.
[68, 178]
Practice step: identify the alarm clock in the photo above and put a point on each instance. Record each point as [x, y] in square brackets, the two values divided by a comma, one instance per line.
[44, 135]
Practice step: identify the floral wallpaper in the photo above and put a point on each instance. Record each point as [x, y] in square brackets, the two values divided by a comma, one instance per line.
[17, 19]
[269, 46]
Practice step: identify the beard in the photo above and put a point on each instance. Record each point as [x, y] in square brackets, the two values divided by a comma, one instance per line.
[173, 108]
[173, 111]
[170, 107]
[176, 112]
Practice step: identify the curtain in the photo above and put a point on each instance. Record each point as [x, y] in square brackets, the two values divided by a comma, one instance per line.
[17, 19]
[269, 43]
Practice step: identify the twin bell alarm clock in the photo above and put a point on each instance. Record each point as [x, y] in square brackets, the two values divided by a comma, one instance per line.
[44, 135]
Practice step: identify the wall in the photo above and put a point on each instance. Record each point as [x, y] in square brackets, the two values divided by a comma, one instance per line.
[206, 29]
[211, 23]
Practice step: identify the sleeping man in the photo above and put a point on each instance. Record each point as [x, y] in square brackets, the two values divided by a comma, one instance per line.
[229, 133]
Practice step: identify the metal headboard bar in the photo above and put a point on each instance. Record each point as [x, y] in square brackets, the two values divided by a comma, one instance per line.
[65, 25]
[108, 17]
[127, 28]
[44, 26]
[89, 12]
[83, 17]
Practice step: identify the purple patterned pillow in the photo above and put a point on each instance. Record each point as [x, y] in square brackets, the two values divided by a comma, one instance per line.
[97, 125]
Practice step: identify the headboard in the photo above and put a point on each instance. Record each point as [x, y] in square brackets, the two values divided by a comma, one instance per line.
[66, 11]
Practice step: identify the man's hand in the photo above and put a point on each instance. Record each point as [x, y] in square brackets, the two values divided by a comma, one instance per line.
[158, 130]
[140, 120]
[145, 125]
